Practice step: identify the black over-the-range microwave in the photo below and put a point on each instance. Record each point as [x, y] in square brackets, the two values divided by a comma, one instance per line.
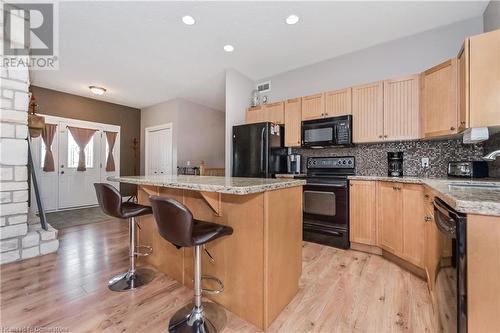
[334, 131]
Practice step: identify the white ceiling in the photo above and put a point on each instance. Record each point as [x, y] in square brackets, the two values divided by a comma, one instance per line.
[143, 54]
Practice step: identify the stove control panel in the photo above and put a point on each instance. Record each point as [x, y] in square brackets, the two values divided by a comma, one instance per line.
[331, 162]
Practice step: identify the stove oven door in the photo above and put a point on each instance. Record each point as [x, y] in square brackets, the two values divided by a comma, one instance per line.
[326, 209]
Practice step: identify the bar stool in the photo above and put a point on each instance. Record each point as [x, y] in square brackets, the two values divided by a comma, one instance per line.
[176, 225]
[110, 201]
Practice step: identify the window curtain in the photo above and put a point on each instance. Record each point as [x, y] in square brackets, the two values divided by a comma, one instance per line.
[82, 137]
[48, 134]
[110, 161]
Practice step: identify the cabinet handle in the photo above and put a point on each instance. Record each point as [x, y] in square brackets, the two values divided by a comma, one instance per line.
[427, 219]
[426, 196]
[380, 136]
[452, 128]
[385, 136]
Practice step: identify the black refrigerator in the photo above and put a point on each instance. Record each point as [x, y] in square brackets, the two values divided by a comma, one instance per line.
[258, 150]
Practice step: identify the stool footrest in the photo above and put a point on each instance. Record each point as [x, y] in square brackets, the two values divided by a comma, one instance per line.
[216, 280]
[143, 250]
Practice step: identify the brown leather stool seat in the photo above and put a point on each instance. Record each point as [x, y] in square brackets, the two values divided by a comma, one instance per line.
[110, 201]
[176, 224]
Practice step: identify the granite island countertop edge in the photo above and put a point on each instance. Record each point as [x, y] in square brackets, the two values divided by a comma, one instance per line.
[207, 187]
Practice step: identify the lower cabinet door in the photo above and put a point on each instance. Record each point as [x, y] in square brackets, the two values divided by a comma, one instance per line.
[413, 223]
[362, 212]
[390, 226]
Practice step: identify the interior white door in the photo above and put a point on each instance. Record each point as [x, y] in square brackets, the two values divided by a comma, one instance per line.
[76, 187]
[159, 150]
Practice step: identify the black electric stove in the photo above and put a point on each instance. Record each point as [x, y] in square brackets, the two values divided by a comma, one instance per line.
[326, 200]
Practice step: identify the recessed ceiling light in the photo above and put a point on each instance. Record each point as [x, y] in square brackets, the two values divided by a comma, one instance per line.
[189, 20]
[97, 90]
[228, 48]
[292, 19]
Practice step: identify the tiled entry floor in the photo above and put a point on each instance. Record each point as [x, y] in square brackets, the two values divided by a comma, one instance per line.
[74, 217]
[340, 291]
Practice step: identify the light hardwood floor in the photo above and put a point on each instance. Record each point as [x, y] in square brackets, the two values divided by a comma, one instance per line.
[340, 291]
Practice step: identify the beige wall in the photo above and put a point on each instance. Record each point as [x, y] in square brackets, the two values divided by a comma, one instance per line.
[201, 135]
[60, 104]
[491, 16]
[198, 131]
[238, 93]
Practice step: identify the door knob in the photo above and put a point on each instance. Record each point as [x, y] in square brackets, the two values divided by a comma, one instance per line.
[62, 172]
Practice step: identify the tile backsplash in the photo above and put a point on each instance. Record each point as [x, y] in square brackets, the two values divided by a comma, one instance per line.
[371, 159]
[491, 145]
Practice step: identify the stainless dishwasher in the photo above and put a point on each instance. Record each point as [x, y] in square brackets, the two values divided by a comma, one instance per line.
[451, 280]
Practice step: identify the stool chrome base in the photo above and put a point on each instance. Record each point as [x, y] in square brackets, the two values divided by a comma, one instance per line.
[188, 319]
[128, 280]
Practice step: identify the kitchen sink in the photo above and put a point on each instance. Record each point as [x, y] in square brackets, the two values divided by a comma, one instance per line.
[477, 186]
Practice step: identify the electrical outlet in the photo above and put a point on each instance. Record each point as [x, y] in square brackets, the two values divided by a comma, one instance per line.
[425, 162]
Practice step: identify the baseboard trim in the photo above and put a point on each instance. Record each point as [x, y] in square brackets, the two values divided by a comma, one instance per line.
[366, 248]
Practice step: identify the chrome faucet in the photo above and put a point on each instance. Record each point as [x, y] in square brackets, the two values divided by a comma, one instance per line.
[492, 156]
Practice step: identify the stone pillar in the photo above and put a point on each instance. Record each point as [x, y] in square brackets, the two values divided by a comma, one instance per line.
[18, 239]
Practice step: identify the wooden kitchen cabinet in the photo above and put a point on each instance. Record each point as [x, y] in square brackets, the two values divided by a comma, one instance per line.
[368, 112]
[338, 103]
[439, 100]
[401, 108]
[254, 114]
[389, 221]
[413, 220]
[275, 112]
[293, 122]
[479, 81]
[313, 106]
[433, 241]
[363, 212]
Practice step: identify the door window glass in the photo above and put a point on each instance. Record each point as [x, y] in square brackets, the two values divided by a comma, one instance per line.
[42, 153]
[73, 153]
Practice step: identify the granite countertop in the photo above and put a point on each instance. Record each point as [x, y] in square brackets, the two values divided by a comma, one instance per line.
[473, 198]
[230, 185]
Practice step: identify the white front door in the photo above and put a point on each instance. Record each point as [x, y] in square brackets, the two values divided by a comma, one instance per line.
[158, 150]
[76, 187]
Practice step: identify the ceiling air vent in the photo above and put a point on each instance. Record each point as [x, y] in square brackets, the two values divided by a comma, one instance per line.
[264, 86]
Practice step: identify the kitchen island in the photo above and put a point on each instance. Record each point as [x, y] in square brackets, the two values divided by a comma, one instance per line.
[260, 264]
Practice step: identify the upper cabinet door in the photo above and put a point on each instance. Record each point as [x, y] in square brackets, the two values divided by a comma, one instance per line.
[368, 112]
[463, 87]
[484, 79]
[255, 114]
[401, 108]
[338, 102]
[274, 112]
[439, 99]
[293, 122]
[313, 106]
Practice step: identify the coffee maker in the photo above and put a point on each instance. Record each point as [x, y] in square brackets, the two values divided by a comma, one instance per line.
[395, 164]
[293, 163]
